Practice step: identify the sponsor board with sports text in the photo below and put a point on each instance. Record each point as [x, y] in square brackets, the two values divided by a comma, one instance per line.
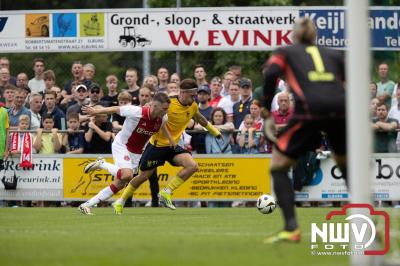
[217, 179]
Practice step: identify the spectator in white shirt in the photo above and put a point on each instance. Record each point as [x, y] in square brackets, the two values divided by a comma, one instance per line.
[36, 84]
[227, 102]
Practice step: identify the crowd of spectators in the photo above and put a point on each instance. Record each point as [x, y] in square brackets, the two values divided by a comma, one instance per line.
[229, 102]
[385, 112]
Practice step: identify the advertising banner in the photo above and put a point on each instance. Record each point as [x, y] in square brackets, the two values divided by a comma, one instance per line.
[328, 184]
[217, 179]
[43, 182]
[183, 29]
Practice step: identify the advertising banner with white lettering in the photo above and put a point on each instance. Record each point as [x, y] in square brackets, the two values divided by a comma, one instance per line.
[384, 24]
[184, 29]
[328, 184]
[43, 182]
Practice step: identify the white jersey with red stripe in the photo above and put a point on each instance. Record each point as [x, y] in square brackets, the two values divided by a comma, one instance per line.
[138, 127]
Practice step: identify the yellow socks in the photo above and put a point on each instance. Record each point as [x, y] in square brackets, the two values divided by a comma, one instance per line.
[174, 183]
[128, 192]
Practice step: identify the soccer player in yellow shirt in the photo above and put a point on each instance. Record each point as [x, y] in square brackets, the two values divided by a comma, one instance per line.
[163, 147]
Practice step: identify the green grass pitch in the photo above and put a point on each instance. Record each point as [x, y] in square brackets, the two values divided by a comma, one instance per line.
[153, 236]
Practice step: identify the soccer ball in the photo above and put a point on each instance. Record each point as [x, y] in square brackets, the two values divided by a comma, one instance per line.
[266, 204]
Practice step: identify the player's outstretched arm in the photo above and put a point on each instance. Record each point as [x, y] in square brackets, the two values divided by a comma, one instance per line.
[91, 110]
[199, 118]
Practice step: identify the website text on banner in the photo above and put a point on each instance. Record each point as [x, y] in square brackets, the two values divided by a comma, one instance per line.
[217, 179]
[43, 182]
[190, 29]
[328, 184]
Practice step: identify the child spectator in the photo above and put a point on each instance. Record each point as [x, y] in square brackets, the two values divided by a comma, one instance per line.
[150, 82]
[47, 143]
[49, 79]
[21, 143]
[255, 112]
[73, 141]
[124, 98]
[214, 145]
[16, 137]
[175, 78]
[98, 135]
[112, 85]
[248, 139]
[172, 88]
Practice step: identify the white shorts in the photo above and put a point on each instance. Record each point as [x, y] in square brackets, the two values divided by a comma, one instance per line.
[124, 158]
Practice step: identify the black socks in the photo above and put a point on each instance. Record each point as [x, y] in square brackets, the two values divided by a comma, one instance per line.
[285, 195]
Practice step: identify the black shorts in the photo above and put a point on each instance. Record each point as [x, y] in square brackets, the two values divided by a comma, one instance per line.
[156, 156]
[300, 136]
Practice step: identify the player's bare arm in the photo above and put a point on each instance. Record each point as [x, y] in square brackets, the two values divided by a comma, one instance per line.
[199, 118]
[90, 110]
[168, 135]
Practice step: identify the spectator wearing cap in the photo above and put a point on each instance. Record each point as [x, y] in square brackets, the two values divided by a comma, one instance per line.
[199, 72]
[94, 99]
[95, 92]
[131, 79]
[215, 87]
[51, 108]
[203, 98]
[242, 108]
[80, 95]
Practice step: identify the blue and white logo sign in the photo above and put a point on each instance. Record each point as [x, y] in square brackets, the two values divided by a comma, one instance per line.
[385, 28]
[330, 24]
[3, 21]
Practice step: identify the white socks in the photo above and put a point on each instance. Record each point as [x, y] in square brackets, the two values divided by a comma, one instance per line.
[103, 195]
[111, 168]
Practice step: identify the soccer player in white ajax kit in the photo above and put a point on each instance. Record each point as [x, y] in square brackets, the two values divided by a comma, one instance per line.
[140, 124]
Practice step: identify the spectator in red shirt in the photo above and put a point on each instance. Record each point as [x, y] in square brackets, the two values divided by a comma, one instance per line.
[284, 112]
[216, 87]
